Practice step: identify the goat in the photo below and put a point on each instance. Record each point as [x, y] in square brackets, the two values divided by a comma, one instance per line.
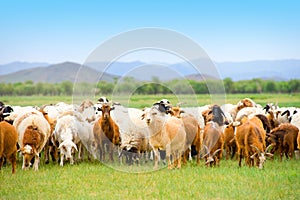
[192, 130]
[166, 133]
[8, 144]
[250, 141]
[284, 138]
[106, 131]
[213, 142]
[229, 141]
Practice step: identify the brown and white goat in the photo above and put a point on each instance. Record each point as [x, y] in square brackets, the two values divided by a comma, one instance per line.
[106, 131]
[34, 131]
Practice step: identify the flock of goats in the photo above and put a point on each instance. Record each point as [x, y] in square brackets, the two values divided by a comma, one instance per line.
[162, 131]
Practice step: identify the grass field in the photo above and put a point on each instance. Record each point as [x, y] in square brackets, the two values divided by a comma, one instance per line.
[141, 101]
[93, 180]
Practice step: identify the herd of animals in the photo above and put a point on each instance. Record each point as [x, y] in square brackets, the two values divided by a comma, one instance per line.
[106, 130]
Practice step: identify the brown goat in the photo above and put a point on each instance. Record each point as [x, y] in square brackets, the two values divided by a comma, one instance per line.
[298, 140]
[229, 141]
[213, 142]
[284, 137]
[50, 148]
[8, 144]
[106, 131]
[250, 141]
[192, 130]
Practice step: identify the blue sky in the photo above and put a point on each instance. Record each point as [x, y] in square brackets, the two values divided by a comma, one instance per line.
[65, 30]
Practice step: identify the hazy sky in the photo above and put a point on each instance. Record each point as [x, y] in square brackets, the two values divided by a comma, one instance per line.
[69, 30]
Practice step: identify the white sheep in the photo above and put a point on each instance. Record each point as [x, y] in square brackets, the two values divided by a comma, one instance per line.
[34, 132]
[66, 131]
[295, 120]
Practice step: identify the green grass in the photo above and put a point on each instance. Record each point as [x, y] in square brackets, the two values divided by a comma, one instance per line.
[90, 180]
[141, 101]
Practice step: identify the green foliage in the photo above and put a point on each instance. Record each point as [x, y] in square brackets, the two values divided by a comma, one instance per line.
[129, 85]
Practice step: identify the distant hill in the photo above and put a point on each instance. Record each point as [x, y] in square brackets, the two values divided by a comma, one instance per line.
[66, 71]
[17, 66]
[276, 70]
[265, 69]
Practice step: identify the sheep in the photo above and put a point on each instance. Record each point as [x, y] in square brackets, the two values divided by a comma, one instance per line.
[87, 109]
[134, 133]
[66, 133]
[285, 114]
[106, 131]
[247, 102]
[5, 112]
[250, 141]
[248, 111]
[166, 133]
[34, 132]
[8, 144]
[295, 120]
[213, 143]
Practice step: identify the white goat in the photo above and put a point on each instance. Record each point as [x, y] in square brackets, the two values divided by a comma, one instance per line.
[166, 133]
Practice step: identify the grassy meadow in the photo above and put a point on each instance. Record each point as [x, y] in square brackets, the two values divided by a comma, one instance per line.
[93, 180]
[141, 101]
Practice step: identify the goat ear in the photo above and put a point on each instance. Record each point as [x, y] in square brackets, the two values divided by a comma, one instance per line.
[112, 108]
[182, 111]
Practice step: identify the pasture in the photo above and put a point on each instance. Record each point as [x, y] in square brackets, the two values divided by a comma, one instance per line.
[93, 180]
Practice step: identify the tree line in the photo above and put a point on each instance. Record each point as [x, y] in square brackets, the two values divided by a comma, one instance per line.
[155, 86]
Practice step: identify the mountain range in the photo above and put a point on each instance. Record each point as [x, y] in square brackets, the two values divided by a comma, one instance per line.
[92, 72]
[67, 71]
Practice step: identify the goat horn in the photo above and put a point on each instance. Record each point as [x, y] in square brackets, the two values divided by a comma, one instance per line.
[216, 151]
[269, 148]
[206, 151]
[252, 157]
[75, 147]
[257, 149]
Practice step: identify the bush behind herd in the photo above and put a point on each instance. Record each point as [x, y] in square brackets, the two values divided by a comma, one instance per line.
[156, 86]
